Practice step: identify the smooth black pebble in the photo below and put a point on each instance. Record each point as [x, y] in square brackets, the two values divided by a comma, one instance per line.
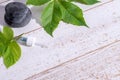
[17, 14]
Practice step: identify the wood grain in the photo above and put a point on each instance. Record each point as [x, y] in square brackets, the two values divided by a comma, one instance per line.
[101, 64]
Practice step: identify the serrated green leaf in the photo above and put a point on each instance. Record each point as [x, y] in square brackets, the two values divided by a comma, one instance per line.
[51, 17]
[72, 14]
[87, 2]
[37, 2]
[12, 54]
[8, 33]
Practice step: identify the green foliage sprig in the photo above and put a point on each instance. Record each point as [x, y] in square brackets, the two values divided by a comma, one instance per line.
[61, 10]
[10, 50]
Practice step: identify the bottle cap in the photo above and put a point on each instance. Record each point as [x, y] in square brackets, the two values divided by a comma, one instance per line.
[30, 41]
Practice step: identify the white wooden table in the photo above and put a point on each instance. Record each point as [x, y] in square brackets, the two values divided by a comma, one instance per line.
[75, 53]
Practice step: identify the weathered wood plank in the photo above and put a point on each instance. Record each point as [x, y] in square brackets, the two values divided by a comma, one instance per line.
[1, 1]
[100, 64]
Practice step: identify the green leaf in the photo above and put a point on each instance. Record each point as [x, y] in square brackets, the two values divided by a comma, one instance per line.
[2, 49]
[37, 2]
[58, 10]
[5, 37]
[9, 49]
[72, 14]
[87, 2]
[51, 17]
[12, 54]
[8, 33]
[2, 38]
[2, 44]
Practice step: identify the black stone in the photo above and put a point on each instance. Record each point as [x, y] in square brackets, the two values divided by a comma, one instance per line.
[17, 14]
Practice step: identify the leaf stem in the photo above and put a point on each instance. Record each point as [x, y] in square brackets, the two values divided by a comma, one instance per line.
[19, 36]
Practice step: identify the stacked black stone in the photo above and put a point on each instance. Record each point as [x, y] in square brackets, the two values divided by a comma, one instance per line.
[17, 14]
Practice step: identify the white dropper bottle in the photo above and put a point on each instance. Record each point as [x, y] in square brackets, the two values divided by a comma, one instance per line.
[30, 41]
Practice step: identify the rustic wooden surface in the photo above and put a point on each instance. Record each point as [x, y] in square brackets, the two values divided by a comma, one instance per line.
[75, 53]
[100, 64]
